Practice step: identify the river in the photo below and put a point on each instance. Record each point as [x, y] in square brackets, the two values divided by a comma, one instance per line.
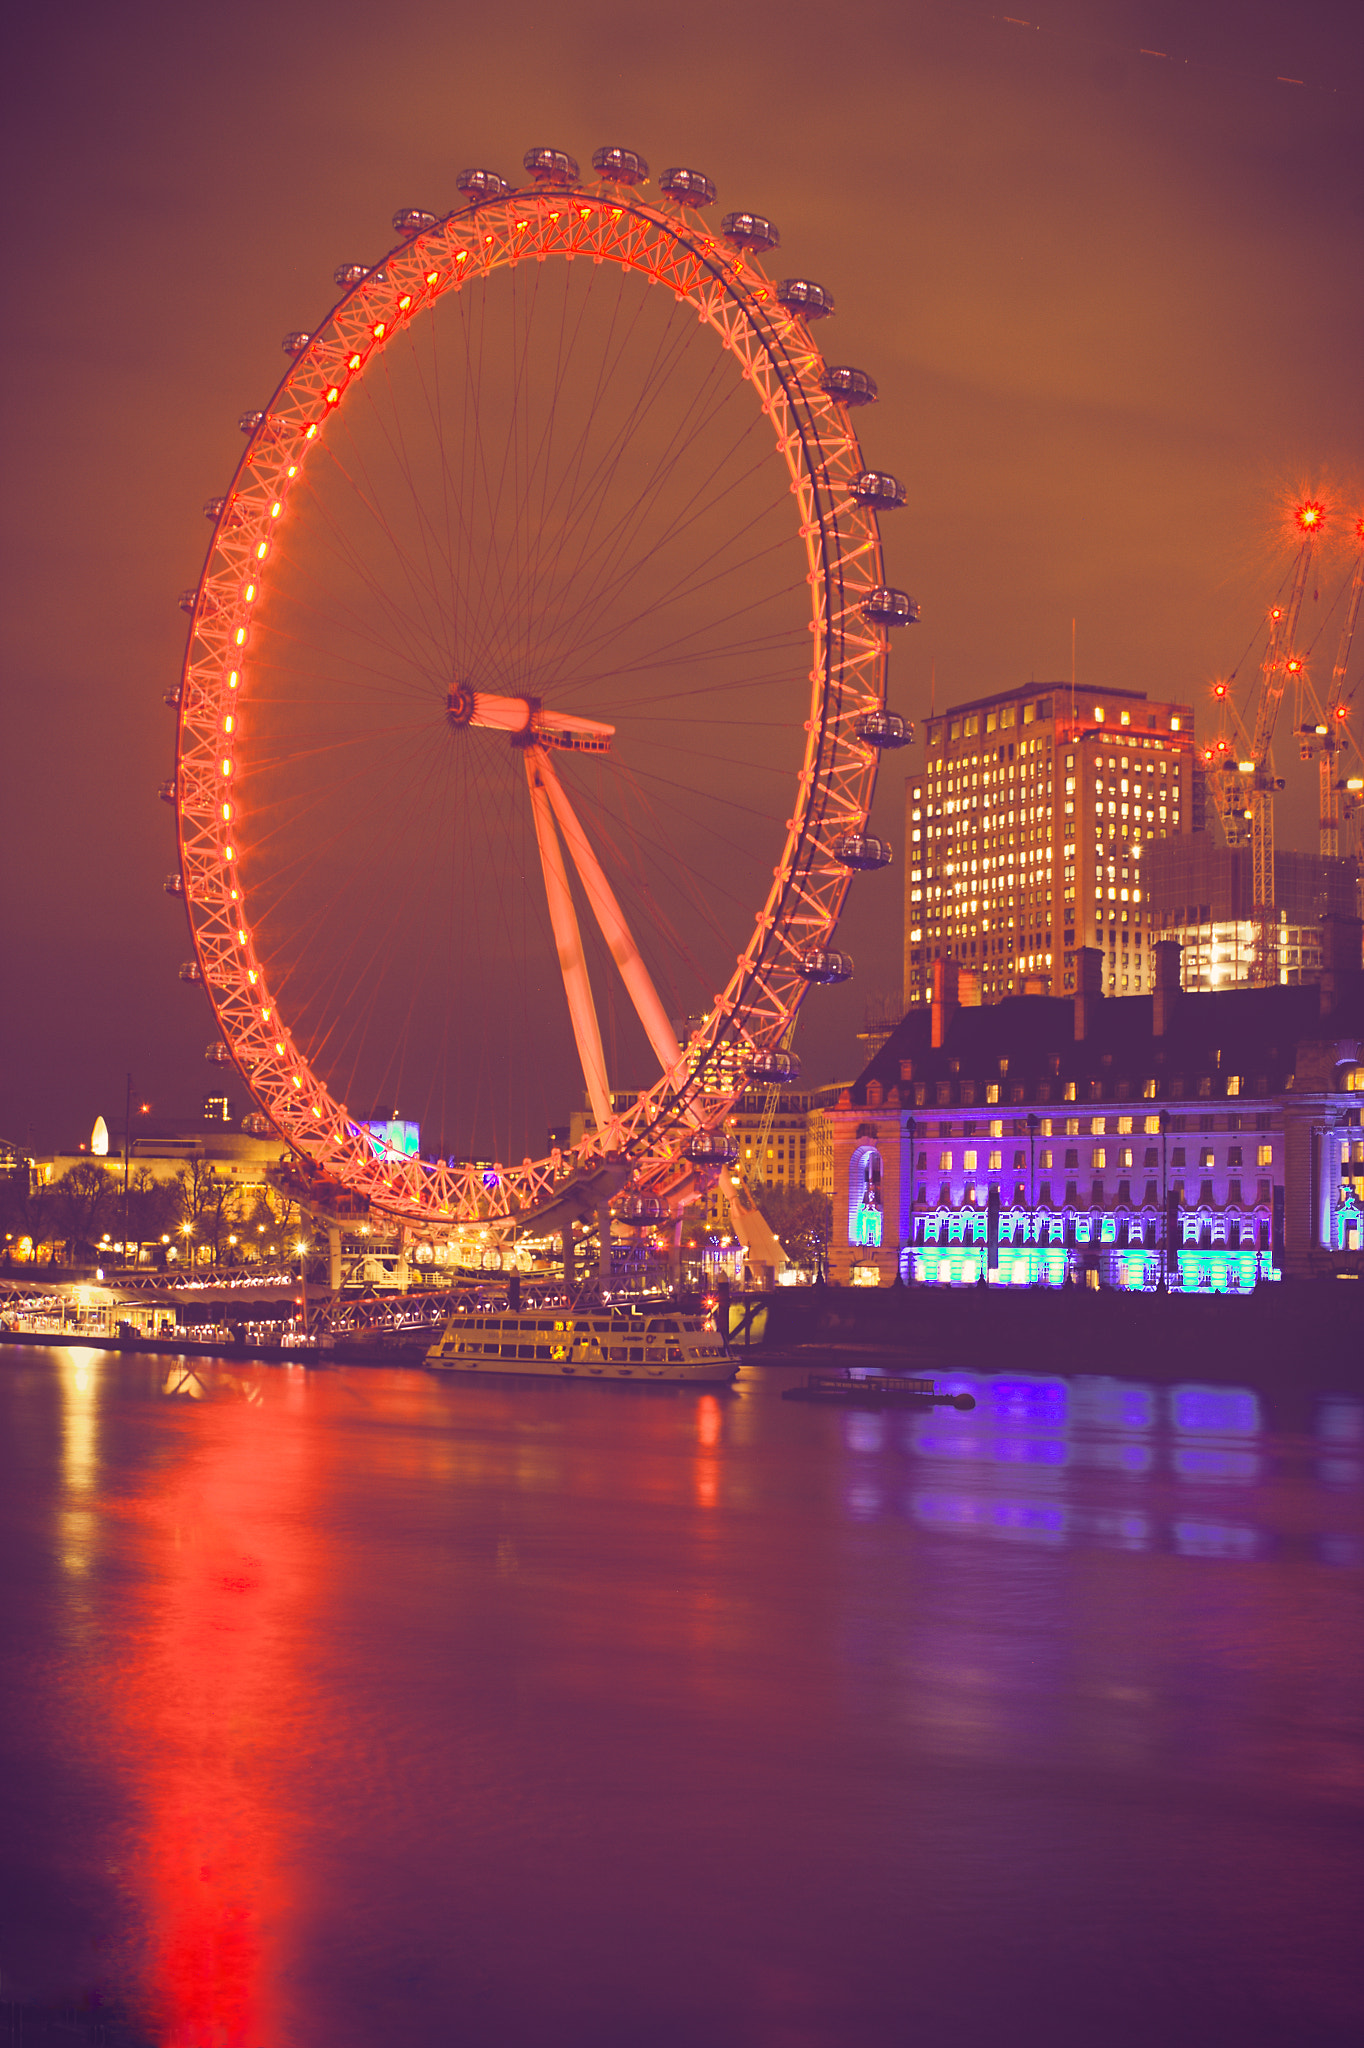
[356, 1707]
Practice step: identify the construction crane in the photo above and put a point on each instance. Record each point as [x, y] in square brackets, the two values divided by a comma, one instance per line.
[1244, 785]
[1328, 732]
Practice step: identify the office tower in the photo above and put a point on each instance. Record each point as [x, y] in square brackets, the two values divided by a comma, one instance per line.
[1025, 832]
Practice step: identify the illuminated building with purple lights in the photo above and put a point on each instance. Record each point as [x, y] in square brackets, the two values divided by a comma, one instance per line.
[1193, 1141]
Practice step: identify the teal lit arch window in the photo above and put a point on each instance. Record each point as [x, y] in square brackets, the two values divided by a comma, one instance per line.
[865, 1212]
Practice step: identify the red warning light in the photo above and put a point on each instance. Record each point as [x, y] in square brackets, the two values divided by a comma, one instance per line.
[1310, 515]
[1219, 690]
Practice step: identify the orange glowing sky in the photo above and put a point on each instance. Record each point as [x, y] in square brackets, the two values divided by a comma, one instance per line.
[1112, 302]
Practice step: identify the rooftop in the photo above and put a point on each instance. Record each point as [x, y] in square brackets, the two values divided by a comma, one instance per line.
[1253, 1033]
[1040, 689]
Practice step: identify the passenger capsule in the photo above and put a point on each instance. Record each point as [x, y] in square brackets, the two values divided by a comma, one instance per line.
[295, 344]
[879, 490]
[691, 188]
[172, 699]
[414, 220]
[167, 791]
[861, 850]
[174, 885]
[773, 1069]
[480, 185]
[348, 274]
[848, 386]
[890, 608]
[825, 968]
[641, 1208]
[712, 1148]
[623, 166]
[257, 1126]
[214, 509]
[799, 295]
[884, 730]
[751, 231]
[191, 971]
[249, 421]
[551, 166]
[188, 599]
[218, 1054]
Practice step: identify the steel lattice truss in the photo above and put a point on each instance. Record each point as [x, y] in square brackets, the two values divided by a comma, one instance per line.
[813, 434]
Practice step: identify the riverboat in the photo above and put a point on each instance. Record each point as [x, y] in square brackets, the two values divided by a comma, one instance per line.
[880, 1390]
[596, 1344]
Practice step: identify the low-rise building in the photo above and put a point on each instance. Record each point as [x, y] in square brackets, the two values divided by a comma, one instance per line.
[1201, 894]
[1192, 1140]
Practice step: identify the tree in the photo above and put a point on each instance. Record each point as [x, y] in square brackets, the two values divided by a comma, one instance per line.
[27, 1210]
[153, 1207]
[210, 1205]
[83, 1205]
[801, 1217]
[273, 1218]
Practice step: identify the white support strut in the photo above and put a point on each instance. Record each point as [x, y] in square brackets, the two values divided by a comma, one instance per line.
[569, 944]
[652, 1015]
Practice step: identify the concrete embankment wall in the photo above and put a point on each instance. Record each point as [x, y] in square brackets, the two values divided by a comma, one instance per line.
[1307, 1328]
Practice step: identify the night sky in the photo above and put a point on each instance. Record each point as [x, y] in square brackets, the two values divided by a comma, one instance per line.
[1112, 301]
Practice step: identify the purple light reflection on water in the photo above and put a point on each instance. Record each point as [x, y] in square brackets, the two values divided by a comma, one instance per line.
[1220, 1467]
[1215, 1411]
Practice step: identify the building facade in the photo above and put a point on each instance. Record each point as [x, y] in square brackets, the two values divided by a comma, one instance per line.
[1025, 834]
[1192, 1140]
[782, 1144]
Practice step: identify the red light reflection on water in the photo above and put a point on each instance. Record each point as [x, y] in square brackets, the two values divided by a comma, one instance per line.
[708, 1464]
[203, 1699]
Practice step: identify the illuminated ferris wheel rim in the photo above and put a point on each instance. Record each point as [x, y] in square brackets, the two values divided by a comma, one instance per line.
[657, 1142]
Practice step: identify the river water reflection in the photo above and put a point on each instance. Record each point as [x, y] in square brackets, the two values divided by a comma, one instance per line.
[356, 1707]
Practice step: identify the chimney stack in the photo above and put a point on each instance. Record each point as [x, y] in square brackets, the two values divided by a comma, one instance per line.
[944, 999]
[1341, 939]
[1167, 953]
[1089, 988]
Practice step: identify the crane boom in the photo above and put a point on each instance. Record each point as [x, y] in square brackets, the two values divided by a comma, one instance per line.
[1280, 661]
[1337, 739]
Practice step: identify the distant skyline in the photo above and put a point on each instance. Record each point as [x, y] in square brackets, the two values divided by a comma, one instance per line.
[1104, 270]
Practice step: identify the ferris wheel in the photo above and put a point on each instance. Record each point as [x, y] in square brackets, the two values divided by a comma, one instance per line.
[533, 698]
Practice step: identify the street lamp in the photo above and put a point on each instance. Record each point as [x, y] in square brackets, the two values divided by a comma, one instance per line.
[1162, 1284]
[1034, 1125]
[911, 1131]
